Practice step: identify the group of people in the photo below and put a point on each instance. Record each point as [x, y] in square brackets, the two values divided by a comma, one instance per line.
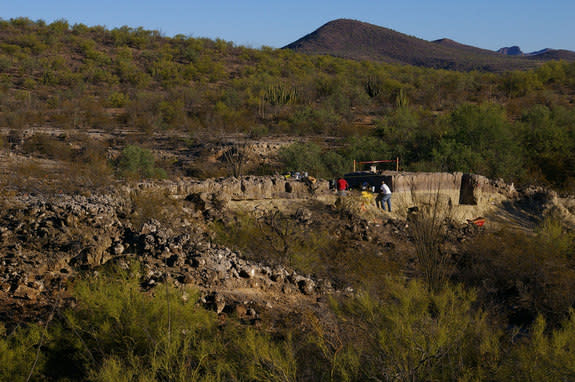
[383, 197]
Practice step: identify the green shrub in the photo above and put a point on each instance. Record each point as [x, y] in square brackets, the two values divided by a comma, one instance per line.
[117, 321]
[366, 149]
[121, 333]
[525, 275]
[18, 353]
[117, 99]
[480, 139]
[258, 131]
[137, 163]
[412, 334]
[543, 356]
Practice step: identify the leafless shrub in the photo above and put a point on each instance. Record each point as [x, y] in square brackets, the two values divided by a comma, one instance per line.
[428, 228]
[156, 204]
[237, 158]
[279, 231]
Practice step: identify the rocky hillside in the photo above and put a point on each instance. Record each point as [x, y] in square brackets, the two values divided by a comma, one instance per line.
[47, 241]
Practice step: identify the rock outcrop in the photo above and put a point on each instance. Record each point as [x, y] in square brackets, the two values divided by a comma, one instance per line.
[245, 188]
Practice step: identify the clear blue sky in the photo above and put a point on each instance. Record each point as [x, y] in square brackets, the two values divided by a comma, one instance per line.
[487, 24]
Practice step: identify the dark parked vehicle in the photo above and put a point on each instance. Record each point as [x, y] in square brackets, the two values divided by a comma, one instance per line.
[373, 179]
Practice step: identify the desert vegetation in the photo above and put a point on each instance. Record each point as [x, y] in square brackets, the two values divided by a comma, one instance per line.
[407, 331]
[516, 125]
[86, 112]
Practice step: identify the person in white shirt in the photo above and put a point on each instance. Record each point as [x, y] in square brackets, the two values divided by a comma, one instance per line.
[384, 196]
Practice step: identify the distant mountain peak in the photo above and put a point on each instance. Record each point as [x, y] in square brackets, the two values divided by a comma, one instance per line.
[353, 39]
[511, 51]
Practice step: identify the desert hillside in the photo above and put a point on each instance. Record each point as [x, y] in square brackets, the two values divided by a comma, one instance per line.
[133, 87]
[363, 41]
[168, 212]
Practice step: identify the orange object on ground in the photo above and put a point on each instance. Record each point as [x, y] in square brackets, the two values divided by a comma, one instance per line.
[480, 221]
